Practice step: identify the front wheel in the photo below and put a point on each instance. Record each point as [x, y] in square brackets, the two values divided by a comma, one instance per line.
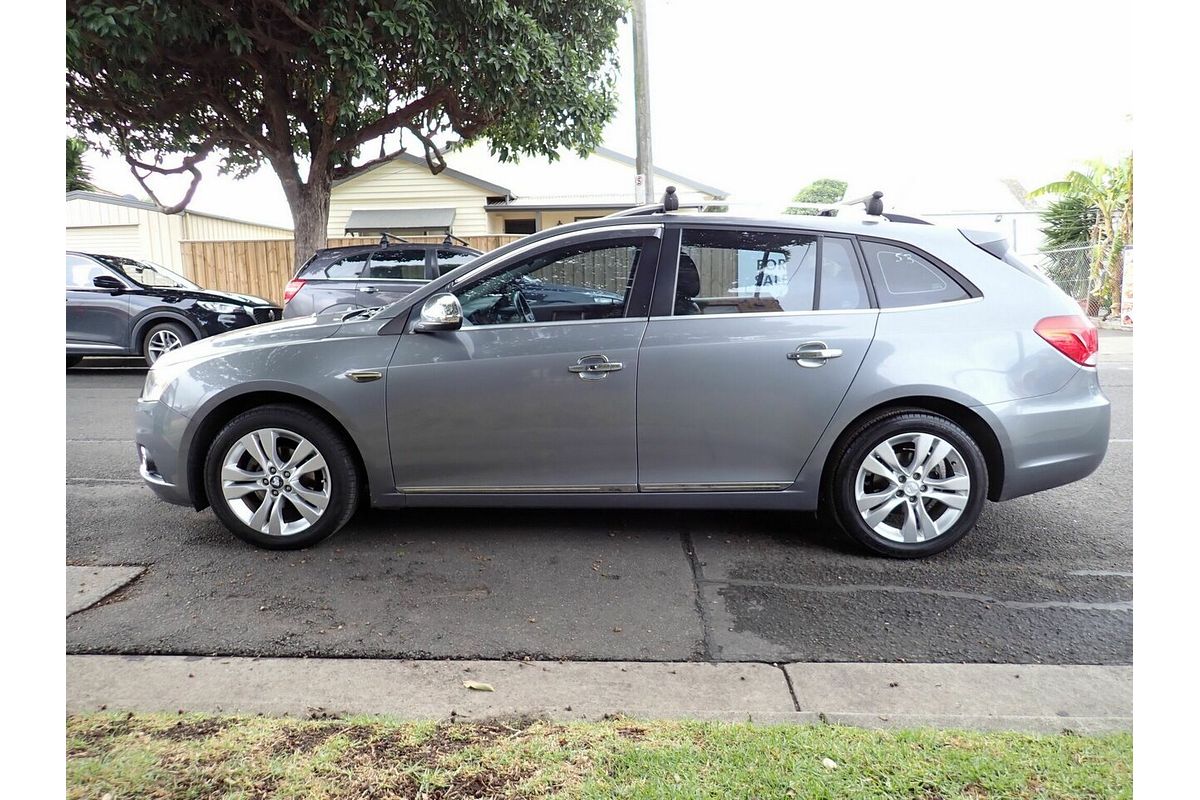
[908, 484]
[163, 338]
[281, 478]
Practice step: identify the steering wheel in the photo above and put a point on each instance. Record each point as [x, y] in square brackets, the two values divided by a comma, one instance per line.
[521, 306]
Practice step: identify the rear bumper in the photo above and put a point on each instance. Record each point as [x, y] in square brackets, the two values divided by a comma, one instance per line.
[158, 434]
[1054, 439]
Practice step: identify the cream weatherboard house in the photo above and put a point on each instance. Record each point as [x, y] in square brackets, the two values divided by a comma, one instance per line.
[98, 222]
[477, 195]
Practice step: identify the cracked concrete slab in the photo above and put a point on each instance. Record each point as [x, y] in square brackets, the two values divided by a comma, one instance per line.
[87, 586]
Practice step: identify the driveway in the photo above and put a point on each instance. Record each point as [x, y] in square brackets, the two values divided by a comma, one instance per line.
[1042, 579]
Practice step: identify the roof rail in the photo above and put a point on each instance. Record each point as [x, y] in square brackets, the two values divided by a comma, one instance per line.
[871, 211]
[386, 239]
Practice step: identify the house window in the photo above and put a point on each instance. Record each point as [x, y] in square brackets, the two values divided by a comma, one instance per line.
[520, 226]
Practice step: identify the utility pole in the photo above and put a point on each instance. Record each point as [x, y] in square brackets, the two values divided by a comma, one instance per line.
[641, 100]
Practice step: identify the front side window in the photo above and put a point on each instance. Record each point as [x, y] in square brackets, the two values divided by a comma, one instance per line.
[82, 271]
[147, 273]
[398, 264]
[585, 281]
[903, 278]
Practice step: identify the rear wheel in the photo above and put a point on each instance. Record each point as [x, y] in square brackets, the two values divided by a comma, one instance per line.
[908, 484]
[163, 338]
[281, 478]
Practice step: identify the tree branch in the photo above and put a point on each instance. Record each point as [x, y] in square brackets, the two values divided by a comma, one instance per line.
[188, 165]
[400, 118]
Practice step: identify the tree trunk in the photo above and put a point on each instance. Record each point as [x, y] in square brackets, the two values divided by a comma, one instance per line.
[309, 203]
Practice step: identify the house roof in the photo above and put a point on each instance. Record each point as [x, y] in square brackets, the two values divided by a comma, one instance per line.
[539, 178]
[492, 188]
[130, 202]
[401, 220]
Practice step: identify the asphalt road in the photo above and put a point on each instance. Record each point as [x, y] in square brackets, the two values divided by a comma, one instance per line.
[1042, 579]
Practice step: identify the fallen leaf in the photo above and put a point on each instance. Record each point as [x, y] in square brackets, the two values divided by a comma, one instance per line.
[478, 687]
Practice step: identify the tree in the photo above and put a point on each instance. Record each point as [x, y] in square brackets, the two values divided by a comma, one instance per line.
[79, 174]
[303, 86]
[823, 190]
[1107, 191]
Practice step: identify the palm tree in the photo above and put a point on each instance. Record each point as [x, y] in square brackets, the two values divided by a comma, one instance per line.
[79, 175]
[1108, 192]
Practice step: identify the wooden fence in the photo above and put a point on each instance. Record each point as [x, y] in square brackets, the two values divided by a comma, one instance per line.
[262, 267]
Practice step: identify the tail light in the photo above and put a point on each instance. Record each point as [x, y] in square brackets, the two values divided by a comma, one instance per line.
[293, 287]
[1073, 336]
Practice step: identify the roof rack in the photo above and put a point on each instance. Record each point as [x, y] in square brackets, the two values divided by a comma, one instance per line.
[872, 208]
[386, 239]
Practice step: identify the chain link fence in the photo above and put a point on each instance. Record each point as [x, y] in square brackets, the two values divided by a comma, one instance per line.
[1070, 269]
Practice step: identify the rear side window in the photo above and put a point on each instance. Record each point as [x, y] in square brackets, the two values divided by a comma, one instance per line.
[452, 259]
[407, 264]
[841, 279]
[745, 272]
[346, 268]
[903, 278]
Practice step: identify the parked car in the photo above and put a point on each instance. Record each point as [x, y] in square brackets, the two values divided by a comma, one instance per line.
[119, 306]
[364, 276]
[895, 377]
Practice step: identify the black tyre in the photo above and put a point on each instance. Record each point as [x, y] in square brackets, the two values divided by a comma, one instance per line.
[281, 478]
[164, 337]
[907, 484]
[73, 361]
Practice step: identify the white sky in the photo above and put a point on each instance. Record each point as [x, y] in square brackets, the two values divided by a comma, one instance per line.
[930, 102]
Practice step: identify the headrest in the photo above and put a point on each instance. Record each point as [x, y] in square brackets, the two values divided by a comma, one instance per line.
[688, 284]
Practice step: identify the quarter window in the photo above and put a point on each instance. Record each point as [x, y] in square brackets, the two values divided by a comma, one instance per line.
[903, 278]
[395, 264]
[585, 281]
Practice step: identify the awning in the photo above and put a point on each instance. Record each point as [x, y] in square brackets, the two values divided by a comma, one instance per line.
[415, 221]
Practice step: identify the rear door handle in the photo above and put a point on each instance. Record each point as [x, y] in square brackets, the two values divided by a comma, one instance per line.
[813, 354]
[367, 289]
[594, 367]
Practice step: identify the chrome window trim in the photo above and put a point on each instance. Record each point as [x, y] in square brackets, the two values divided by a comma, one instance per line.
[823, 311]
[469, 328]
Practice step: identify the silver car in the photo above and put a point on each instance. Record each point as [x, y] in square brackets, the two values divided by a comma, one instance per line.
[891, 375]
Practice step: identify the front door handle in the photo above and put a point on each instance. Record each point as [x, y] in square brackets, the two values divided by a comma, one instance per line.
[813, 354]
[367, 289]
[594, 367]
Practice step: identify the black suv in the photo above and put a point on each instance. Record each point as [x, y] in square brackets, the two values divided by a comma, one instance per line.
[119, 306]
[365, 276]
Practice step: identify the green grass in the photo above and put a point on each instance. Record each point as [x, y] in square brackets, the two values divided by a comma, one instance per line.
[193, 756]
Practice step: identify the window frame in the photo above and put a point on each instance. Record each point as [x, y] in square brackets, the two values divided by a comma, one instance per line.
[663, 301]
[636, 305]
[969, 288]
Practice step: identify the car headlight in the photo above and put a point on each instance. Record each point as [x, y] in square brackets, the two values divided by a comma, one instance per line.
[160, 377]
[219, 308]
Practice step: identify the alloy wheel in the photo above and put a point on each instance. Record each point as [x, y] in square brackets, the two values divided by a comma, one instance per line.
[162, 341]
[912, 487]
[275, 481]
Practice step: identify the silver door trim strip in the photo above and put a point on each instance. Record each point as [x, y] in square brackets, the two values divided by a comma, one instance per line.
[515, 489]
[715, 487]
[467, 328]
[93, 346]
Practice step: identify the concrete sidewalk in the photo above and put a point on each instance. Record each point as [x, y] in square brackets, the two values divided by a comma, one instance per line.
[1085, 699]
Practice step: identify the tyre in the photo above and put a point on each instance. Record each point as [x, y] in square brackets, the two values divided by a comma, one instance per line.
[163, 338]
[281, 478]
[73, 361]
[908, 484]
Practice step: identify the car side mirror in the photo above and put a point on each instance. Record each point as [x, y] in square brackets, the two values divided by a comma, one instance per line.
[107, 282]
[442, 312]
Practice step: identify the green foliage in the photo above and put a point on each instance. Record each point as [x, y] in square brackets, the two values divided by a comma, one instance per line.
[1069, 222]
[823, 190]
[292, 81]
[1103, 195]
[79, 174]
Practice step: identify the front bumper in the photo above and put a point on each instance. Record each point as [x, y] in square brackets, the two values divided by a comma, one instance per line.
[162, 462]
[1054, 439]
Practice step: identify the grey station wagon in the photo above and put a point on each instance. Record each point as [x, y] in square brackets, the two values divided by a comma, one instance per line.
[891, 375]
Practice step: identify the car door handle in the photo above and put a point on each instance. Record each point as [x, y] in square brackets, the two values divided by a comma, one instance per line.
[367, 289]
[813, 354]
[594, 367]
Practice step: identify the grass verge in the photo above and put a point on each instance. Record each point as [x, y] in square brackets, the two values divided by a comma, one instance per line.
[196, 756]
